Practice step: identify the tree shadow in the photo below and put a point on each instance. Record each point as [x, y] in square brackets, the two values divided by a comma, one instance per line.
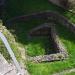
[21, 30]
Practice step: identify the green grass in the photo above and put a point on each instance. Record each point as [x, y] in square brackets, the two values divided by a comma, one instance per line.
[40, 45]
[36, 46]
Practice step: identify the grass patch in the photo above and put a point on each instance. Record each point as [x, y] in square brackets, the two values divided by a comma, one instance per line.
[36, 46]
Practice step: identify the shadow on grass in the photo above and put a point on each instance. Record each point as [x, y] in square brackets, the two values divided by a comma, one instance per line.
[37, 47]
[34, 46]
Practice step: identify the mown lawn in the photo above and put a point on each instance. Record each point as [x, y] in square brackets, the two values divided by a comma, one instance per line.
[20, 31]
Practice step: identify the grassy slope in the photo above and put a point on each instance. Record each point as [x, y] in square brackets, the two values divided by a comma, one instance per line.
[11, 41]
[25, 7]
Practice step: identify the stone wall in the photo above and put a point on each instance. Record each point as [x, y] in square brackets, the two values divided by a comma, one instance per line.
[55, 1]
[48, 16]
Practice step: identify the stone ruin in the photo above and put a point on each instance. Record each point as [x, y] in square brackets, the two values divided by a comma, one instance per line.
[59, 51]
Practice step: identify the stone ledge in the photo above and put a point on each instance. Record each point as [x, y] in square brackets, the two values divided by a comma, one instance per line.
[48, 58]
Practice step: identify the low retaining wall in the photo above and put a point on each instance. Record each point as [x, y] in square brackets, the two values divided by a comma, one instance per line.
[47, 15]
